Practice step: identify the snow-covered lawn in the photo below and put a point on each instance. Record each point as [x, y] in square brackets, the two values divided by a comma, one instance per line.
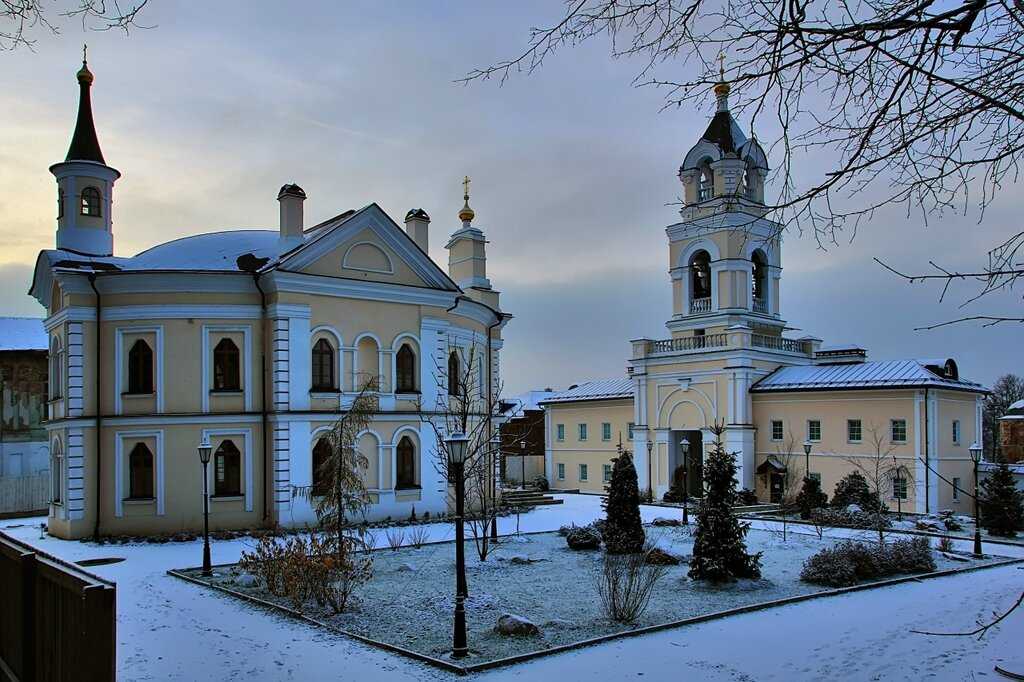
[171, 629]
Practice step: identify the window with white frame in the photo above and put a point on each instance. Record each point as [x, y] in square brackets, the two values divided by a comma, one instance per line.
[899, 487]
[778, 431]
[956, 489]
[630, 428]
[56, 369]
[606, 431]
[854, 431]
[561, 471]
[560, 431]
[898, 430]
[606, 473]
[814, 430]
[582, 431]
[56, 473]
[956, 432]
[583, 472]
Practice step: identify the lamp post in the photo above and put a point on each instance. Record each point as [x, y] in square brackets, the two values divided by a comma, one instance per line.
[456, 445]
[684, 445]
[522, 460]
[204, 450]
[807, 458]
[976, 458]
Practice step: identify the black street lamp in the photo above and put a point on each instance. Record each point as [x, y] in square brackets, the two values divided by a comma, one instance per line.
[807, 458]
[684, 445]
[522, 460]
[456, 444]
[976, 458]
[204, 456]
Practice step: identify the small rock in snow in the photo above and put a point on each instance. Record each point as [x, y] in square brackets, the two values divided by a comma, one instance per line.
[406, 568]
[662, 521]
[246, 580]
[511, 624]
[524, 560]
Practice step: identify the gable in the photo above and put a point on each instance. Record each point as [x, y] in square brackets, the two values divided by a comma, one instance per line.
[367, 245]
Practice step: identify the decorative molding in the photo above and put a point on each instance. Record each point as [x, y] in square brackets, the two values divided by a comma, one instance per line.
[181, 312]
[245, 363]
[119, 468]
[120, 359]
[246, 435]
[345, 259]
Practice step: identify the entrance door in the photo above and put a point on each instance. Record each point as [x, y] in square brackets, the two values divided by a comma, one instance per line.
[692, 470]
[775, 488]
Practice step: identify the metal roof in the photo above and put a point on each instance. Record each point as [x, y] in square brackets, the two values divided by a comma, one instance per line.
[601, 389]
[880, 374]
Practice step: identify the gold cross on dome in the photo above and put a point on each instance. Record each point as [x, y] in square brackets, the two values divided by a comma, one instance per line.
[465, 187]
[84, 49]
[721, 64]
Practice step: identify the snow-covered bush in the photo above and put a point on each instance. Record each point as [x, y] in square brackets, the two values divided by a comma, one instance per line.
[849, 518]
[811, 497]
[747, 497]
[626, 582]
[854, 489]
[851, 562]
[583, 537]
[541, 483]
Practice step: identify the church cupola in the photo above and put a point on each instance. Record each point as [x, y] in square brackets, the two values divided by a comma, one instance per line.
[467, 255]
[85, 184]
[724, 168]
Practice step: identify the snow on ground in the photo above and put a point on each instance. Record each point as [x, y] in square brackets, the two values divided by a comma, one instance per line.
[169, 629]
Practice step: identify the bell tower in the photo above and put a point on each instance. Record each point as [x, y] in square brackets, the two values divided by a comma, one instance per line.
[85, 184]
[724, 255]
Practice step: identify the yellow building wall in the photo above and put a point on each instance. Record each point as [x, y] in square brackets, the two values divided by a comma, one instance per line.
[596, 451]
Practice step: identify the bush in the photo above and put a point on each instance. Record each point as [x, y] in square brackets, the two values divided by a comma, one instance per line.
[541, 483]
[583, 537]
[843, 518]
[747, 497]
[952, 524]
[674, 495]
[623, 531]
[626, 582]
[853, 489]
[851, 562]
[1001, 504]
[810, 497]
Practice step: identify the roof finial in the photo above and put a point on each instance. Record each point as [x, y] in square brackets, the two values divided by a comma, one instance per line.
[466, 215]
[84, 74]
[85, 58]
[722, 88]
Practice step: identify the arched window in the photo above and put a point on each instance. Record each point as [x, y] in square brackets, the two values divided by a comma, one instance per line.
[454, 371]
[227, 471]
[140, 473]
[321, 476]
[758, 275]
[405, 466]
[140, 368]
[323, 366]
[226, 370]
[706, 188]
[56, 472]
[91, 201]
[700, 282]
[56, 369]
[405, 369]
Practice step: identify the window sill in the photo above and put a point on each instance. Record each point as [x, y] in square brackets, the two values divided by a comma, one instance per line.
[226, 391]
[324, 393]
[227, 498]
[407, 395]
[855, 442]
[138, 500]
[128, 394]
[54, 399]
[407, 488]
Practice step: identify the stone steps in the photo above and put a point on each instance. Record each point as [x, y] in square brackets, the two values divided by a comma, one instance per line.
[527, 498]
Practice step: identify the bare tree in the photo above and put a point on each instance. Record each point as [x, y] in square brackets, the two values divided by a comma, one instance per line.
[20, 18]
[883, 473]
[919, 103]
[785, 452]
[465, 406]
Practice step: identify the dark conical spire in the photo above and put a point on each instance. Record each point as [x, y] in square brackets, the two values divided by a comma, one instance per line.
[84, 144]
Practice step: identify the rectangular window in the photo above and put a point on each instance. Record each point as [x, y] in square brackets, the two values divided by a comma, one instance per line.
[898, 430]
[630, 427]
[606, 473]
[561, 471]
[814, 430]
[778, 433]
[956, 489]
[582, 428]
[560, 431]
[956, 432]
[899, 488]
[606, 431]
[583, 472]
[854, 431]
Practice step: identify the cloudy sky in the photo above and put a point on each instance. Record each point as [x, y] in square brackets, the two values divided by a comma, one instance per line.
[210, 111]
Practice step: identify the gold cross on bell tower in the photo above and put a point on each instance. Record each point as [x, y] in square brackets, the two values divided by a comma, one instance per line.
[466, 214]
[465, 188]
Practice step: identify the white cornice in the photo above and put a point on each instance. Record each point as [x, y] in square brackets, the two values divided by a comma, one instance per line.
[181, 312]
[297, 282]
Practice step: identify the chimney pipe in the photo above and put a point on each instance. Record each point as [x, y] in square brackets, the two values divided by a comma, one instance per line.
[291, 198]
[417, 226]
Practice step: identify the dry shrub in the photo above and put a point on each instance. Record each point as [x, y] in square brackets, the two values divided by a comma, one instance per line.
[418, 536]
[626, 582]
[395, 536]
[945, 544]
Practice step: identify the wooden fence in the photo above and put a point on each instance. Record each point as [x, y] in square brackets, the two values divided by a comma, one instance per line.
[24, 494]
[57, 621]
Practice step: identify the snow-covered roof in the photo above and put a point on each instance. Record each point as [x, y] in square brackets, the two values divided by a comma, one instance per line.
[1015, 411]
[527, 401]
[23, 333]
[601, 389]
[878, 374]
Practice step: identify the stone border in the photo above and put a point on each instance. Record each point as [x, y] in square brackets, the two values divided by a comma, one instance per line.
[562, 648]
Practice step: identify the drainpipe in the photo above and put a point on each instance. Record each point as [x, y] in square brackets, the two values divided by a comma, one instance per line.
[490, 422]
[263, 393]
[98, 409]
[927, 456]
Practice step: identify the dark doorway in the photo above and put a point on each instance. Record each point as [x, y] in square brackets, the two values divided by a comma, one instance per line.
[776, 482]
[693, 472]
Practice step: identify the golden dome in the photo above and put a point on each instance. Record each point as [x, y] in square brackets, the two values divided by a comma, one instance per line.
[466, 214]
[84, 74]
[722, 89]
